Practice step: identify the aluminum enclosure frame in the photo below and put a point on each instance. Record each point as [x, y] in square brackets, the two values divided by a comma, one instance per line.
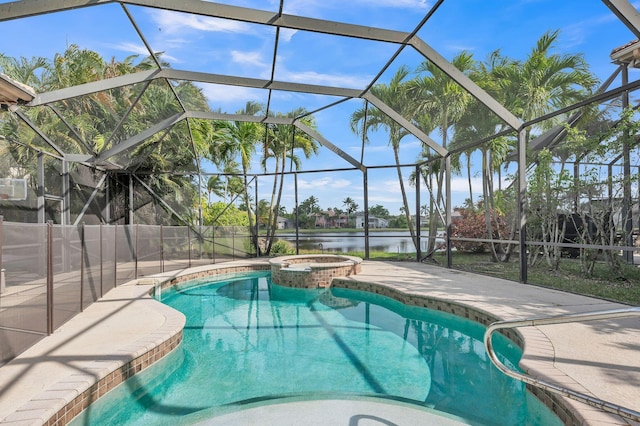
[27, 8]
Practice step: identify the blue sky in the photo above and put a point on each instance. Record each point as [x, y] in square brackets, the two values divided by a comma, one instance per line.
[243, 49]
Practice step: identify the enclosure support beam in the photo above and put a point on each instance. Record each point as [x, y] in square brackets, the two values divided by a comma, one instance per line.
[257, 231]
[40, 189]
[365, 177]
[610, 183]
[66, 194]
[295, 185]
[139, 138]
[418, 242]
[93, 87]
[130, 203]
[627, 223]
[107, 202]
[14, 10]
[447, 215]
[576, 181]
[275, 19]
[522, 202]
[73, 131]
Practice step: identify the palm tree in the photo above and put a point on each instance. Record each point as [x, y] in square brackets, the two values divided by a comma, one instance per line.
[350, 206]
[395, 96]
[435, 93]
[240, 139]
[282, 143]
[543, 83]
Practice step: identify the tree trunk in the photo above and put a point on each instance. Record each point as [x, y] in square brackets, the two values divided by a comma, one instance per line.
[252, 231]
[276, 209]
[433, 219]
[486, 182]
[469, 180]
[407, 212]
[270, 219]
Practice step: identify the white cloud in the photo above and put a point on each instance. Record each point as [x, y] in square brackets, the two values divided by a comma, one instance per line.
[369, 148]
[327, 184]
[175, 43]
[138, 49]
[461, 184]
[334, 80]
[401, 4]
[141, 50]
[311, 7]
[286, 34]
[576, 34]
[218, 94]
[340, 183]
[385, 201]
[248, 58]
[175, 23]
[385, 147]
[312, 184]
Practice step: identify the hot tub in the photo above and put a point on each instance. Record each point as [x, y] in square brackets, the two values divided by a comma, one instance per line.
[312, 270]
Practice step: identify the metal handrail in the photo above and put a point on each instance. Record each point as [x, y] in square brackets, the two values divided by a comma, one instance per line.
[562, 319]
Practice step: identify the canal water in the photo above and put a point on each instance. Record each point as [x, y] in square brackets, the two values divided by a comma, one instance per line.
[342, 242]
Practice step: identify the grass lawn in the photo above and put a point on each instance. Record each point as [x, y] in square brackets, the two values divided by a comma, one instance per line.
[569, 277]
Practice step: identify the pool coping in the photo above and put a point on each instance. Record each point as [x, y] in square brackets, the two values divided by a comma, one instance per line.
[64, 399]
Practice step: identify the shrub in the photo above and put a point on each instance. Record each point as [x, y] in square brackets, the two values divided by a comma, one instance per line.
[473, 225]
[282, 247]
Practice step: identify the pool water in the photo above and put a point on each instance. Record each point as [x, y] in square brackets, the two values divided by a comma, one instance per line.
[247, 340]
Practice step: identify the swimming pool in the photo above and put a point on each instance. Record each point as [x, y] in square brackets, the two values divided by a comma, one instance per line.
[247, 341]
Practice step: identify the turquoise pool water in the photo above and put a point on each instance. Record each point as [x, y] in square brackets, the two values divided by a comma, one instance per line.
[247, 341]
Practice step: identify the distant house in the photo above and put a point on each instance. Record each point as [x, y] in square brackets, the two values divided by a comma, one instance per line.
[321, 220]
[374, 222]
[329, 219]
[335, 220]
[456, 216]
[290, 224]
[341, 221]
[282, 222]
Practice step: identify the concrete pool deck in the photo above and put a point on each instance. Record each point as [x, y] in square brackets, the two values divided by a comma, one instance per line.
[600, 358]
